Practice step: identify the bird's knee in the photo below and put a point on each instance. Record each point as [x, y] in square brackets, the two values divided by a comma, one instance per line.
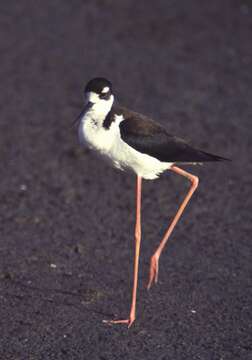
[195, 181]
[138, 236]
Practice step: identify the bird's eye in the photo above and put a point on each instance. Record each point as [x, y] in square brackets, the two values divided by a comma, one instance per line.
[105, 96]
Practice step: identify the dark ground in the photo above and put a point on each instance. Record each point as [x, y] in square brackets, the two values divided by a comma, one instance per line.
[67, 219]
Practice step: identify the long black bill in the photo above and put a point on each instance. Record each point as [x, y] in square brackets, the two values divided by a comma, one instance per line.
[86, 108]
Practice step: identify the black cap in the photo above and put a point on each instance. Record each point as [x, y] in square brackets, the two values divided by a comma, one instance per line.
[97, 85]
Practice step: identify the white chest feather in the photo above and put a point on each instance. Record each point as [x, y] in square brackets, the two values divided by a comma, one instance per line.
[94, 135]
[108, 142]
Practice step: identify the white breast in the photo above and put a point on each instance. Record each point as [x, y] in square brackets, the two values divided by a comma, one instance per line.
[94, 135]
[108, 142]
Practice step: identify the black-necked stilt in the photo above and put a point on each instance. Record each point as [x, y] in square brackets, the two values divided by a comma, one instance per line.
[131, 141]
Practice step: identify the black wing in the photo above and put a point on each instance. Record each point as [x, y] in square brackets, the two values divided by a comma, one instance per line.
[148, 137]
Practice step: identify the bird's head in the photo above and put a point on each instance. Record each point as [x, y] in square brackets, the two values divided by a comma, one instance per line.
[98, 97]
[98, 94]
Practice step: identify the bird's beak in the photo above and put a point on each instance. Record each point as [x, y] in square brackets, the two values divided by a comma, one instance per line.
[86, 108]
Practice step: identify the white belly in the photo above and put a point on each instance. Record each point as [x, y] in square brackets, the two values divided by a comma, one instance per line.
[109, 144]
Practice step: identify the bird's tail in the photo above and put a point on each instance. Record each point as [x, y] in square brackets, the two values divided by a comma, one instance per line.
[205, 156]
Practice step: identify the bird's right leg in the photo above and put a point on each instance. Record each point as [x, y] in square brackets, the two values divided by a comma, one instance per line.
[132, 315]
[153, 276]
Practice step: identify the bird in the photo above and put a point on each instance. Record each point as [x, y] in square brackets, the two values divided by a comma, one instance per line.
[135, 143]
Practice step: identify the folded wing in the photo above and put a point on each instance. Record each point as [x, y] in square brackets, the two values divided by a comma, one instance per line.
[148, 137]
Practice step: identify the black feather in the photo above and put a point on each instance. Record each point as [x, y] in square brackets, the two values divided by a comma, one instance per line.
[148, 137]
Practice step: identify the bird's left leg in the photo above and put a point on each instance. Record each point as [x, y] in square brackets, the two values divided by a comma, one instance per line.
[132, 314]
[155, 257]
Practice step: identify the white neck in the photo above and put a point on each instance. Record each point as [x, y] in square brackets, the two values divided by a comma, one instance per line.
[103, 106]
[100, 106]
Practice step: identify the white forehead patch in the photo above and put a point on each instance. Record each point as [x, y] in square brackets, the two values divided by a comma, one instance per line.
[105, 90]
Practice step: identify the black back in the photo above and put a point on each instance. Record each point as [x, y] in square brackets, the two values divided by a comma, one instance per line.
[148, 137]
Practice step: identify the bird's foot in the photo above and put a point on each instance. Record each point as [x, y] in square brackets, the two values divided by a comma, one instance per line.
[129, 321]
[153, 271]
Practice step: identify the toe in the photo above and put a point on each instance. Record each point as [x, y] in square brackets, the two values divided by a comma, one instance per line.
[126, 321]
[153, 271]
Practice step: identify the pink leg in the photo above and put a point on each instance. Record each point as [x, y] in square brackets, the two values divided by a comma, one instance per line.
[132, 314]
[155, 257]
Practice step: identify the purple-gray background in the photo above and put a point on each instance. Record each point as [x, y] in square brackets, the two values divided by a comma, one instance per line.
[67, 219]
